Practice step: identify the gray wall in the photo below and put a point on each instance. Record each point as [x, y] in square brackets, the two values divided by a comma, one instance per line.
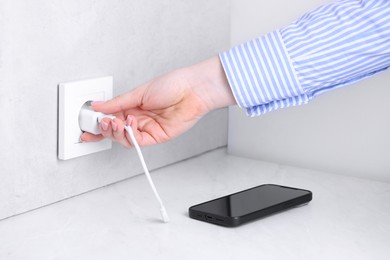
[45, 42]
[346, 131]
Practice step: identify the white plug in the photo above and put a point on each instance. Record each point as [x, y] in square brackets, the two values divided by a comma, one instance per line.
[89, 119]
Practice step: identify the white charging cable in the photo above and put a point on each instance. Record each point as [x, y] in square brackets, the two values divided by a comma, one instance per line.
[89, 121]
[164, 213]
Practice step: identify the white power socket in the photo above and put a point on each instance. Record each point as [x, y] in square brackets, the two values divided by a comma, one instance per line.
[72, 96]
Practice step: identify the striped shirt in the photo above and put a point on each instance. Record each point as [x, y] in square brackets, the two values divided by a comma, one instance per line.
[330, 47]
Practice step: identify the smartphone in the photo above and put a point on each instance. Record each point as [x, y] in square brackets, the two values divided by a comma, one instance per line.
[248, 205]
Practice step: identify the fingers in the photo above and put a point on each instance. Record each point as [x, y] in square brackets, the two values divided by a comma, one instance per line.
[114, 130]
[142, 137]
[120, 103]
[119, 135]
[133, 123]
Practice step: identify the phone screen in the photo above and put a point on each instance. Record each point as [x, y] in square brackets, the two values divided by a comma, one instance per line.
[252, 200]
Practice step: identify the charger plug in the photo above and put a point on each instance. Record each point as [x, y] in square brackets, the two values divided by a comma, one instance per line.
[89, 119]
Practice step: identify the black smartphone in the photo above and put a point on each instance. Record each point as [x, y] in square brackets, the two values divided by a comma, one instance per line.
[244, 206]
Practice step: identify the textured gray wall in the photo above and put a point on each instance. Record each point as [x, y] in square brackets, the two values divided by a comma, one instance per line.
[45, 42]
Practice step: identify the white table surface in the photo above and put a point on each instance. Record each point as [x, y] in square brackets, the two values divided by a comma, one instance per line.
[349, 218]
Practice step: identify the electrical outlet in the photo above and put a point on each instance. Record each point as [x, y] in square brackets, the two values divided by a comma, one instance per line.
[72, 96]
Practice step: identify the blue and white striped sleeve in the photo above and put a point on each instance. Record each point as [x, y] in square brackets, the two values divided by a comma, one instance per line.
[334, 45]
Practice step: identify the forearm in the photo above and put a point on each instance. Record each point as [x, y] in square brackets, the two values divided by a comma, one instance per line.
[335, 45]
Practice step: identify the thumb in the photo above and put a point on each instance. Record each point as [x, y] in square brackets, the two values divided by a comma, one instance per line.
[120, 103]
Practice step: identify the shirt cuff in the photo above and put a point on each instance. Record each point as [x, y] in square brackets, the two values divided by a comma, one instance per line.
[261, 75]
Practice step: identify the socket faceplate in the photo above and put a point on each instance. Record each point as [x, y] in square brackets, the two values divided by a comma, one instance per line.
[72, 96]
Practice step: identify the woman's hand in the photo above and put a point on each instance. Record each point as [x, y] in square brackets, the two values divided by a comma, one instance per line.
[166, 106]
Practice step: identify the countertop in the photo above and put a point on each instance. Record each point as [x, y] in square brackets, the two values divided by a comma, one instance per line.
[347, 218]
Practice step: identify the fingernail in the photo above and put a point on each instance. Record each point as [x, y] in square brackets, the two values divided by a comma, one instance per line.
[129, 120]
[81, 139]
[97, 102]
[104, 126]
[114, 125]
